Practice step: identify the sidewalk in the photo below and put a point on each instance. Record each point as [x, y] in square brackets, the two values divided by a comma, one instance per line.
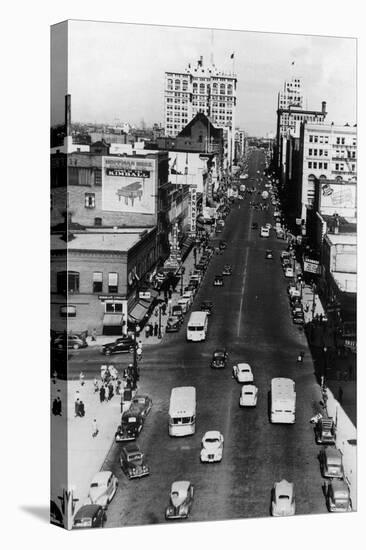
[189, 267]
[85, 454]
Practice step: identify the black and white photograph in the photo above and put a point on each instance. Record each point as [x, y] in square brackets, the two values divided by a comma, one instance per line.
[188, 234]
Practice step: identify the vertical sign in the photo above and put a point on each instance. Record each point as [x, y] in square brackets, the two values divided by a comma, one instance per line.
[193, 200]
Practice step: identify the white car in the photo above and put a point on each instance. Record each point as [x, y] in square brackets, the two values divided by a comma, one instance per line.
[212, 446]
[185, 304]
[283, 499]
[277, 214]
[264, 231]
[289, 272]
[102, 488]
[189, 294]
[248, 396]
[243, 373]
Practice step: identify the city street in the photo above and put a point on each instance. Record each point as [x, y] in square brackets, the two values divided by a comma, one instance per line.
[251, 319]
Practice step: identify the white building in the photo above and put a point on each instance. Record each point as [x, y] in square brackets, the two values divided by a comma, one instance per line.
[329, 153]
[203, 89]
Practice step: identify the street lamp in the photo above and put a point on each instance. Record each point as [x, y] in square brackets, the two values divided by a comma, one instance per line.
[159, 330]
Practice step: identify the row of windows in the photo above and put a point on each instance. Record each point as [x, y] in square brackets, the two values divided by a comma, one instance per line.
[340, 167]
[319, 152]
[69, 281]
[320, 165]
[318, 139]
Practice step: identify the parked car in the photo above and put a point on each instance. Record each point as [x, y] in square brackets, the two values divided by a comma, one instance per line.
[89, 516]
[338, 497]
[330, 460]
[189, 295]
[227, 270]
[222, 245]
[177, 311]
[181, 500]
[212, 446]
[184, 303]
[269, 255]
[130, 427]
[248, 396]
[132, 462]
[283, 499]
[140, 404]
[284, 254]
[218, 280]
[207, 306]
[325, 431]
[70, 341]
[102, 489]
[173, 324]
[289, 272]
[121, 345]
[193, 282]
[298, 318]
[243, 373]
[219, 359]
[264, 232]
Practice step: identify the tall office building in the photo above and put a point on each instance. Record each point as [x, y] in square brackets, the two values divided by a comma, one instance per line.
[199, 88]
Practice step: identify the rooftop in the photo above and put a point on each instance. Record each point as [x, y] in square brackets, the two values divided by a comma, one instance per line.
[120, 240]
[339, 238]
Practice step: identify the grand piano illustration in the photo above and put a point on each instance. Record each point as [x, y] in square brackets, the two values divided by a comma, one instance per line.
[131, 192]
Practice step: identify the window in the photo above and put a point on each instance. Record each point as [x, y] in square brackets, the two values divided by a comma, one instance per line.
[310, 152]
[338, 141]
[113, 307]
[343, 141]
[310, 164]
[170, 84]
[67, 281]
[315, 152]
[325, 166]
[112, 282]
[353, 167]
[337, 166]
[68, 311]
[98, 222]
[320, 165]
[315, 164]
[320, 152]
[311, 139]
[185, 85]
[97, 281]
[89, 200]
[98, 176]
[315, 139]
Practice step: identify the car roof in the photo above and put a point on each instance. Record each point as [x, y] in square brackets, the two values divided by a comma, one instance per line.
[101, 477]
[212, 434]
[340, 486]
[140, 396]
[332, 452]
[242, 366]
[180, 486]
[219, 351]
[284, 486]
[132, 448]
[247, 387]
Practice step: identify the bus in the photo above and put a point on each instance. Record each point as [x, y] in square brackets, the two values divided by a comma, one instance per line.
[197, 326]
[182, 411]
[283, 401]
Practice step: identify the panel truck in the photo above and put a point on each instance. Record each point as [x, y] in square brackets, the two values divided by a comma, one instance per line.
[283, 401]
[182, 411]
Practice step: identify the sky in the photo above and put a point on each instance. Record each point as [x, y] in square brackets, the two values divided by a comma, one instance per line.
[116, 71]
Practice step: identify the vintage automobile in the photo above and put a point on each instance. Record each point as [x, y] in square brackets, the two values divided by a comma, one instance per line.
[177, 311]
[218, 280]
[228, 270]
[325, 431]
[194, 282]
[269, 255]
[264, 232]
[283, 499]
[243, 373]
[212, 446]
[71, 341]
[189, 295]
[248, 396]
[173, 324]
[337, 496]
[289, 272]
[184, 303]
[89, 516]
[141, 404]
[181, 500]
[130, 427]
[284, 254]
[207, 306]
[298, 318]
[331, 465]
[133, 462]
[219, 359]
[102, 489]
[121, 345]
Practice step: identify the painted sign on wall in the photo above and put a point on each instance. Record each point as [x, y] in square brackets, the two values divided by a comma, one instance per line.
[128, 185]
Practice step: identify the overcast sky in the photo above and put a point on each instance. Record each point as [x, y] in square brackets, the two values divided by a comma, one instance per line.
[116, 71]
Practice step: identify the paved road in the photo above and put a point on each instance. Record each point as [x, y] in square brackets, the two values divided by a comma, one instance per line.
[252, 320]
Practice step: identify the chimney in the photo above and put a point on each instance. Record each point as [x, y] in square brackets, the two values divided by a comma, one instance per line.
[68, 114]
[324, 106]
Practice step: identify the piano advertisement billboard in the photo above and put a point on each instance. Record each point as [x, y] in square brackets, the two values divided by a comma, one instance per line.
[128, 185]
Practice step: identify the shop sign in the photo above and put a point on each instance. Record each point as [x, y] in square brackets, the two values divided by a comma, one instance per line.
[114, 297]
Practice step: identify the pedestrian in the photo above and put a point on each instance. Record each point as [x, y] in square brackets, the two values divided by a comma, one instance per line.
[54, 376]
[102, 394]
[77, 404]
[340, 395]
[147, 331]
[54, 407]
[96, 385]
[81, 377]
[94, 335]
[170, 294]
[81, 411]
[156, 328]
[118, 386]
[156, 312]
[163, 308]
[95, 429]
[106, 392]
[139, 353]
[110, 391]
[59, 406]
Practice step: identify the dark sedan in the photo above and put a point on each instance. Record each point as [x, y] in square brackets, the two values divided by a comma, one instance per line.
[207, 306]
[89, 516]
[132, 462]
[141, 404]
[219, 359]
[121, 345]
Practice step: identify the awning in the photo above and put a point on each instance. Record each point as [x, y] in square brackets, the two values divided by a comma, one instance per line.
[112, 319]
[139, 311]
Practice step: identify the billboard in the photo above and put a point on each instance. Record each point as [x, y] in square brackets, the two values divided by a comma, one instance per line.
[338, 198]
[128, 185]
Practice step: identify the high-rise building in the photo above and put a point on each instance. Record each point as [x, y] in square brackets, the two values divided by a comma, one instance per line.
[292, 95]
[199, 89]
